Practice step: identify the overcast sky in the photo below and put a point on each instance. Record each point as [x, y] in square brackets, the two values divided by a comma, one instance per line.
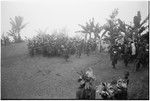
[58, 14]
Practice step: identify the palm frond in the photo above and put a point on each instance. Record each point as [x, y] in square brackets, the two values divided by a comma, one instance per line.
[145, 20]
[103, 33]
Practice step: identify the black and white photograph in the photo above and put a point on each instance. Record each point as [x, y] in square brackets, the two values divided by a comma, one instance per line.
[75, 49]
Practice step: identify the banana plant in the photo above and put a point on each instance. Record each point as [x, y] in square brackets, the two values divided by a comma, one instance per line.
[138, 26]
[111, 28]
[89, 28]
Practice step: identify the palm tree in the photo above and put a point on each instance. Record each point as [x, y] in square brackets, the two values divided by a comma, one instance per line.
[85, 30]
[16, 27]
[92, 28]
[111, 28]
[135, 31]
[139, 26]
[125, 29]
[89, 28]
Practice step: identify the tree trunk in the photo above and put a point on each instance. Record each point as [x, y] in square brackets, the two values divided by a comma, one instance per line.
[15, 38]
[19, 37]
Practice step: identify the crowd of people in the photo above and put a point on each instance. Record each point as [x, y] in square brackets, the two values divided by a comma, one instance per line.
[136, 52]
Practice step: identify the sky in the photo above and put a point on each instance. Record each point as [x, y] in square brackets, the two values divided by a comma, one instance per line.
[66, 14]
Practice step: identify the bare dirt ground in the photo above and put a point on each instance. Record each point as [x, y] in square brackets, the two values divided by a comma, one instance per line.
[39, 77]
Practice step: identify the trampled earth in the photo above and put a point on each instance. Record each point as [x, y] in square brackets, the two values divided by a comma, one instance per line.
[25, 77]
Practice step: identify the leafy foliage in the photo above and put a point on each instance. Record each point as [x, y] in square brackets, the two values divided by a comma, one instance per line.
[51, 45]
[16, 26]
[5, 40]
[91, 27]
[112, 28]
[139, 26]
